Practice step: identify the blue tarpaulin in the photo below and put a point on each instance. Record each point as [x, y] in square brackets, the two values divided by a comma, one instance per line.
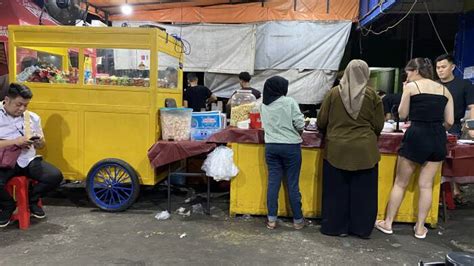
[464, 51]
[370, 10]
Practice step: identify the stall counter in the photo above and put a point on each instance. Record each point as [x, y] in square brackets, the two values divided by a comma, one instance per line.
[248, 189]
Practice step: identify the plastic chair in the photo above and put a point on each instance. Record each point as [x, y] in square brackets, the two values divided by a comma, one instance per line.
[18, 188]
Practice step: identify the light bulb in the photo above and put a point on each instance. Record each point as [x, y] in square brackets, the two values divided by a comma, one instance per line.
[126, 9]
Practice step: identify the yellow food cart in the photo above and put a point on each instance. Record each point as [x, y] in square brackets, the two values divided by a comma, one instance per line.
[98, 92]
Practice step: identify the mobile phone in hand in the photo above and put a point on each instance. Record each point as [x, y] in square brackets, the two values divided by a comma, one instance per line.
[34, 138]
[470, 124]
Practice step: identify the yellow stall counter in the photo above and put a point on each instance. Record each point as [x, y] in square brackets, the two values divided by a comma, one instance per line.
[248, 189]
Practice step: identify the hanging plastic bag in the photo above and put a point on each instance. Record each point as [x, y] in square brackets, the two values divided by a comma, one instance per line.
[219, 164]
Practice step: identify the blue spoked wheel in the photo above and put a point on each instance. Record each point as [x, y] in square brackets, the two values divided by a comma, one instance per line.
[112, 185]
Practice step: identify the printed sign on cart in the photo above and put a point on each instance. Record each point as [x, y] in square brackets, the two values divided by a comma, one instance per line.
[204, 124]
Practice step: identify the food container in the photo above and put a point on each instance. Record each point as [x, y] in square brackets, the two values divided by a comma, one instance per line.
[175, 123]
[255, 119]
[310, 124]
[245, 124]
[388, 127]
[242, 103]
[452, 139]
[205, 124]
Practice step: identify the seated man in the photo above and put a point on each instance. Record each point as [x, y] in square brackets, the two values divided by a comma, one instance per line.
[12, 132]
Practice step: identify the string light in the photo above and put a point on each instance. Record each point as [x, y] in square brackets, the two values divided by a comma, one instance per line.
[126, 9]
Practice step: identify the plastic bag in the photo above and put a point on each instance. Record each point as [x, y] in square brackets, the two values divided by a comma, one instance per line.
[219, 164]
[164, 215]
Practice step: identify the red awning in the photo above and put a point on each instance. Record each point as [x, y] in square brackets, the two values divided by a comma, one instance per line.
[215, 11]
[20, 12]
[17, 12]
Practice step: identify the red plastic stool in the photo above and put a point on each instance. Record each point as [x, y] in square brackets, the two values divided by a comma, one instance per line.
[448, 198]
[18, 189]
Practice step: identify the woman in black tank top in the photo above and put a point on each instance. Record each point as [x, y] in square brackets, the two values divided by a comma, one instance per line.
[430, 109]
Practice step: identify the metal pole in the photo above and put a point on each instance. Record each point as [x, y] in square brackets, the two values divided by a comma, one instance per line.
[327, 6]
[209, 195]
[169, 188]
[412, 38]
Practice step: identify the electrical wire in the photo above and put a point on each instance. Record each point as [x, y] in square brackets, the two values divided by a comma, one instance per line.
[369, 30]
[185, 45]
[437, 34]
[379, 5]
[434, 27]
[40, 19]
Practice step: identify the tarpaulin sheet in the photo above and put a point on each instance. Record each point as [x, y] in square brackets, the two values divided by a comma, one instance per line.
[370, 10]
[388, 143]
[237, 135]
[271, 10]
[272, 45]
[301, 45]
[306, 87]
[165, 152]
[461, 151]
[458, 164]
[214, 47]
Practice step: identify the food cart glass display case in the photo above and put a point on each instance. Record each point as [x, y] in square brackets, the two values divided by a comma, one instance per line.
[98, 92]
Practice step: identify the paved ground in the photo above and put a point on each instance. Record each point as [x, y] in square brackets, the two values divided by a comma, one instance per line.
[78, 234]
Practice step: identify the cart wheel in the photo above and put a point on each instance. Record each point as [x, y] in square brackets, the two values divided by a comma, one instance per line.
[112, 185]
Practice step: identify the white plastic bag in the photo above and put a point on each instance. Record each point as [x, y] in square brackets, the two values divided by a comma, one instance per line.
[219, 164]
[164, 215]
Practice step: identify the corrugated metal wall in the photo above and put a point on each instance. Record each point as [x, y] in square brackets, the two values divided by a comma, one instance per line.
[464, 52]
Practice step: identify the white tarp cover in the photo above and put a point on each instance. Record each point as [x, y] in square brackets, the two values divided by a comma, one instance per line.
[301, 44]
[279, 45]
[215, 48]
[306, 87]
[307, 53]
[131, 58]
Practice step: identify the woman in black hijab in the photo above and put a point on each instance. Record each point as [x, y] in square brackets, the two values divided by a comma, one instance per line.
[283, 124]
[274, 88]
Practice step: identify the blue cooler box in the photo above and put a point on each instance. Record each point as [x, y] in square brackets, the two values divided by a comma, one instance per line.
[204, 124]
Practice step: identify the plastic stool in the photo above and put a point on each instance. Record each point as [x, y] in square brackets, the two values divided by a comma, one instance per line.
[448, 198]
[18, 188]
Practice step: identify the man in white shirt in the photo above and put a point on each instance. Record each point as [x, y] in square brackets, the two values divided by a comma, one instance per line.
[13, 131]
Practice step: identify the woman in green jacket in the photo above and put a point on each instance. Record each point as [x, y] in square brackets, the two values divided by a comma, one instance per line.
[352, 118]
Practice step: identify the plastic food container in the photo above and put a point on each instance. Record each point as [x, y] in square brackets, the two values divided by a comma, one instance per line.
[175, 123]
[205, 124]
[241, 104]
